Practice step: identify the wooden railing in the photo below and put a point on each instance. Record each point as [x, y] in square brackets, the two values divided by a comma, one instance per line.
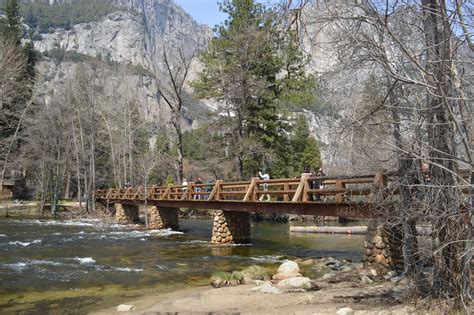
[296, 190]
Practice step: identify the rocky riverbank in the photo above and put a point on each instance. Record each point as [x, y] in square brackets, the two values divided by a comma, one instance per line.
[345, 288]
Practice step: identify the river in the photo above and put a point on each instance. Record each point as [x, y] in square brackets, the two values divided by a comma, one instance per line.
[75, 266]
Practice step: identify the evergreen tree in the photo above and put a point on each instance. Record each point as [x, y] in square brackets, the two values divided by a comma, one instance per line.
[311, 155]
[254, 66]
[10, 27]
[305, 147]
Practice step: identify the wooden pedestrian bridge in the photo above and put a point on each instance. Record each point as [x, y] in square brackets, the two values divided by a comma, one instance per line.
[335, 196]
[232, 202]
[338, 196]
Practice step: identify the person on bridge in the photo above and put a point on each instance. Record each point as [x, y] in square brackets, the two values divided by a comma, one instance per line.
[264, 176]
[308, 172]
[185, 185]
[318, 184]
[198, 189]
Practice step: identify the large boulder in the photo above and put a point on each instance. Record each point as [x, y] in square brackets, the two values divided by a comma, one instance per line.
[283, 276]
[289, 267]
[295, 283]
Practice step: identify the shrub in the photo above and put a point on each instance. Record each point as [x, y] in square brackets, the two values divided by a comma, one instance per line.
[255, 273]
[222, 279]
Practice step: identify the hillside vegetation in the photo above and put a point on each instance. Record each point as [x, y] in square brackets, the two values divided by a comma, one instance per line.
[44, 17]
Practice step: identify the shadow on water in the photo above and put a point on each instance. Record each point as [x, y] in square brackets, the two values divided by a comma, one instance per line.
[80, 265]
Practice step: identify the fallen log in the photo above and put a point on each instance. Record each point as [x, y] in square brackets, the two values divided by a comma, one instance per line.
[329, 229]
[421, 230]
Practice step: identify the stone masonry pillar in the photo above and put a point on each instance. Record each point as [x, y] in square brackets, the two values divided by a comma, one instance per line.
[383, 247]
[126, 213]
[230, 227]
[164, 218]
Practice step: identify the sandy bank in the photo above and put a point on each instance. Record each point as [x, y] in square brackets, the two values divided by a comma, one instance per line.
[362, 299]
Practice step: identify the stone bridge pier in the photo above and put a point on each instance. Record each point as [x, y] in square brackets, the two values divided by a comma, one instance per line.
[164, 218]
[383, 246]
[230, 227]
[125, 213]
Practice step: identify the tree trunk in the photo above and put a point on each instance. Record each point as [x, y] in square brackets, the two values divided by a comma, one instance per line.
[452, 232]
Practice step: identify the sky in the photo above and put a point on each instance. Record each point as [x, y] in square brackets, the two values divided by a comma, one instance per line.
[206, 11]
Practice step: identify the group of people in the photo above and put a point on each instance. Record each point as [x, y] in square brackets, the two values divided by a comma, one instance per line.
[308, 172]
[314, 184]
[199, 188]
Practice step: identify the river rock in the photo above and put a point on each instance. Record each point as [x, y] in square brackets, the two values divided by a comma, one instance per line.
[289, 267]
[331, 261]
[376, 239]
[295, 283]
[125, 308]
[345, 311]
[308, 262]
[283, 276]
[381, 259]
[366, 280]
[328, 276]
[390, 275]
[266, 287]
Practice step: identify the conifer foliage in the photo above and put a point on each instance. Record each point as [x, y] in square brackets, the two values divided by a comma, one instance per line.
[255, 68]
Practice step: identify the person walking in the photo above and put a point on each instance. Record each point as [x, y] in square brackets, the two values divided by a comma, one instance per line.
[264, 176]
[308, 172]
[198, 189]
[318, 184]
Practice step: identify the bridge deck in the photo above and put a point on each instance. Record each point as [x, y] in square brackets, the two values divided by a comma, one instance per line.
[340, 196]
[322, 196]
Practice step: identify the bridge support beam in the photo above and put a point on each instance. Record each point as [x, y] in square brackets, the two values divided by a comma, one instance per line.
[164, 218]
[126, 213]
[383, 247]
[231, 227]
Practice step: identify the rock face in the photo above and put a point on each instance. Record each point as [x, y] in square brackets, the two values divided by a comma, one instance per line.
[135, 35]
[230, 227]
[118, 37]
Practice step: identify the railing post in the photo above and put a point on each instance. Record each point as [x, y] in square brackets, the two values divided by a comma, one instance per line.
[216, 190]
[189, 192]
[300, 188]
[380, 183]
[340, 185]
[166, 193]
[286, 188]
[126, 193]
[249, 195]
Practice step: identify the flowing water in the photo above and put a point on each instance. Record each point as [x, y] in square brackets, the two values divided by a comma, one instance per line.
[74, 266]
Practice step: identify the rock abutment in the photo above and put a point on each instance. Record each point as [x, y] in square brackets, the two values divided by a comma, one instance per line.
[126, 213]
[230, 227]
[164, 218]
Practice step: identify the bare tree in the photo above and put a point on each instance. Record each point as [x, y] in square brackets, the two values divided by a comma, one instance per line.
[171, 89]
[422, 52]
[12, 67]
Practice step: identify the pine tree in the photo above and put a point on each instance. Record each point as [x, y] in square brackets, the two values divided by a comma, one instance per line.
[305, 147]
[10, 27]
[311, 155]
[254, 66]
